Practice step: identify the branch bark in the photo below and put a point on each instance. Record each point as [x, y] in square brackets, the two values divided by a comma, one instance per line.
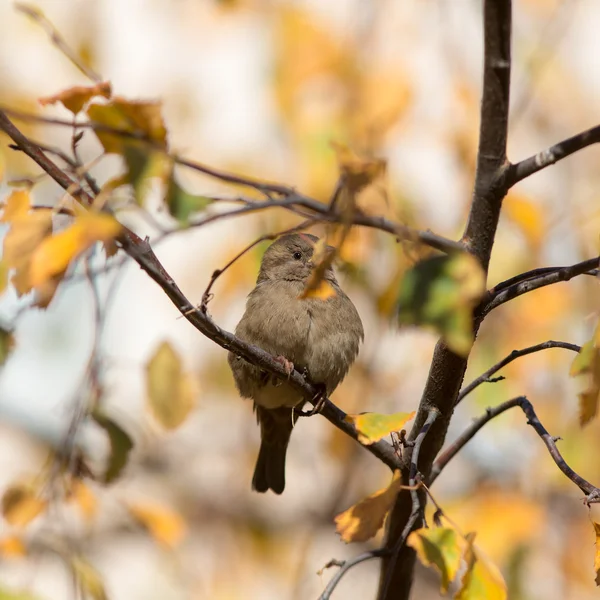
[519, 171]
[513, 356]
[447, 369]
[140, 251]
[503, 293]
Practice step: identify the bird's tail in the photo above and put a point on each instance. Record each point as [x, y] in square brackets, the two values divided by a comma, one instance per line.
[275, 429]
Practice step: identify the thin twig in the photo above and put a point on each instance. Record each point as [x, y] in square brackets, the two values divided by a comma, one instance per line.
[292, 200]
[532, 274]
[417, 508]
[207, 296]
[345, 566]
[592, 492]
[141, 251]
[38, 17]
[493, 298]
[484, 377]
[519, 171]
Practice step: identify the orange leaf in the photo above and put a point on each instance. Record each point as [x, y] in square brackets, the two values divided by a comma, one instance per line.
[323, 291]
[12, 546]
[165, 525]
[83, 497]
[527, 215]
[597, 557]
[363, 520]
[75, 98]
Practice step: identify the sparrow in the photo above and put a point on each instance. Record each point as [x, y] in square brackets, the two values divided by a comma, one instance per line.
[319, 337]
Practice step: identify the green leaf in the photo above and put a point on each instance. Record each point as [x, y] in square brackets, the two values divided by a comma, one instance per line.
[441, 547]
[181, 203]
[120, 446]
[440, 293]
[372, 427]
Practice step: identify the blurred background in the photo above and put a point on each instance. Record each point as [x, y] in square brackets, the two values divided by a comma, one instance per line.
[262, 87]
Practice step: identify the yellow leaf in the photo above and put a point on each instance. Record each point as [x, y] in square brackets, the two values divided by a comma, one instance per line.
[24, 236]
[21, 504]
[17, 205]
[482, 579]
[441, 547]
[363, 520]
[83, 497]
[323, 291]
[597, 556]
[89, 578]
[134, 118]
[171, 392]
[588, 405]
[12, 546]
[372, 427]
[55, 253]
[527, 215]
[76, 97]
[165, 525]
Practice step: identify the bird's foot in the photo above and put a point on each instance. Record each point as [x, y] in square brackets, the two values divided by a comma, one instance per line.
[288, 365]
[319, 398]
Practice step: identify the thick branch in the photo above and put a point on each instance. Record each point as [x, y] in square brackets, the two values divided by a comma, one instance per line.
[591, 491]
[513, 356]
[447, 369]
[501, 294]
[142, 253]
[519, 171]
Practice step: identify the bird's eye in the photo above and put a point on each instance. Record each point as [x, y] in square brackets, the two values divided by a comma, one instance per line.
[297, 255]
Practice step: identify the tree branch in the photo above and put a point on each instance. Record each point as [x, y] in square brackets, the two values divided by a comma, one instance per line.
[447, 369]
[290, 199]
[519, 171]
[591, 491]
[345, 566]
[143, 254]
[513, 356]
[503, 293]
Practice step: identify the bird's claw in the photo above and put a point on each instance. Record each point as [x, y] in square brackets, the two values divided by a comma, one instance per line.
[288, 365]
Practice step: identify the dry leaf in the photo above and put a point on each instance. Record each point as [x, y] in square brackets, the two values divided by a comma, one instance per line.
[363, 520]
[75, 98]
